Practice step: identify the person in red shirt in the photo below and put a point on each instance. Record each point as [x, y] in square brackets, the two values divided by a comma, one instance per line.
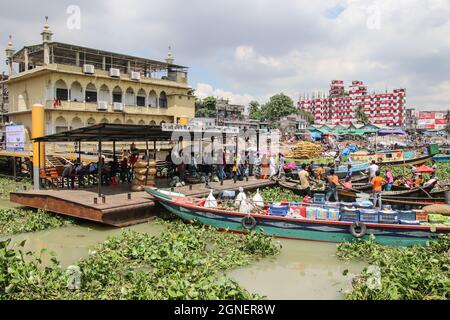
[377, 186]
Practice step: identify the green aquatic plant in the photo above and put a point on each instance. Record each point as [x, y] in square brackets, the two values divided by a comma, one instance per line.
[183, 262]
[14, 221]
[277, 194]
[8, 185]
[405, 273]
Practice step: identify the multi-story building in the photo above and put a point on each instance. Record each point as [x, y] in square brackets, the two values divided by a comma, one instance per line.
[229, 112]
[430, 120]
[4, 105]
[340, 106]
[81, 86]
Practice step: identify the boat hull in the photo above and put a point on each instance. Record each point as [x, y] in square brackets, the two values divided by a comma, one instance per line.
[301, 229]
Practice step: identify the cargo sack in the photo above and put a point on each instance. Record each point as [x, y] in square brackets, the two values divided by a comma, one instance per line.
[443, 209]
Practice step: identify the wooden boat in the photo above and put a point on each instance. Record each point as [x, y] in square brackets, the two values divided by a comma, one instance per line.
[290, 227]
[394, 157]
[293, 185]
[441, 158]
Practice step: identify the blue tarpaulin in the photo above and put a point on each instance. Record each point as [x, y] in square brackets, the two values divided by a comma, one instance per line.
[316, 135]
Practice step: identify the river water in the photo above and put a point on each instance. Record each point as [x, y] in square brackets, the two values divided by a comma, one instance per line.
[303, 269]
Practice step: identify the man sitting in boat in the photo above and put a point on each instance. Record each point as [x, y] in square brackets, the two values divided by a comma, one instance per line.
[347, 183]
[320, 171]
[418, 181]
[389, 179]
[303, 175]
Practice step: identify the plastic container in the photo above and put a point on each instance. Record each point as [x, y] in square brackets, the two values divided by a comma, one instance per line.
[421, 215]
[227, 194]
[386, 207]
[297, 211]
[319, 198]
[349, 214]
[333, 214]
[386, 216]
[311, 213]
[410, 222]
[407, 215]
[368, 215]
[278, 210]
[322, 214]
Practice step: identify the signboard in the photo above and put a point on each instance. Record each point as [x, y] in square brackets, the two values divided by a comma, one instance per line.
[197, 128]
[15, 138]
[426, 115]
[441, 121]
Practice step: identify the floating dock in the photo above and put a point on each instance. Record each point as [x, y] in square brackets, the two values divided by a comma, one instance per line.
[117, 210]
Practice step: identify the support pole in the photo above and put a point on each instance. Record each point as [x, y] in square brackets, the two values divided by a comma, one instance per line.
[154, 150]
[79, 150]
[114, 150]
[37, 131]
[99, 168]
[14, 168]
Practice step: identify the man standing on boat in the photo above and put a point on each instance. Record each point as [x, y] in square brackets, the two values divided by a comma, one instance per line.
[373, 168]
[333, 182]
[377, 186]
[303, 175]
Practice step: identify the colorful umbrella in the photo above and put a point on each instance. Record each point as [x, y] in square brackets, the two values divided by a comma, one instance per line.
[424, 169]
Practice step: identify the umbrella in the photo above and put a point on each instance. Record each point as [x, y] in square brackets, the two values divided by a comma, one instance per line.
[424, 169]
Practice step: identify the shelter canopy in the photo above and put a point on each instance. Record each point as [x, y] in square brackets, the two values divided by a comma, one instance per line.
[114, 132]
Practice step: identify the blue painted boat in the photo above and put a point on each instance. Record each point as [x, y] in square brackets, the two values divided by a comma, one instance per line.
[192, 210]
[441, 158]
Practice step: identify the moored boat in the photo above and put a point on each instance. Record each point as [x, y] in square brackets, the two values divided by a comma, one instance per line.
[395, 157]
[293, 227]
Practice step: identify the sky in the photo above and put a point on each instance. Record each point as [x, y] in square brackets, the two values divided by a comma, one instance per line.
[253, 49]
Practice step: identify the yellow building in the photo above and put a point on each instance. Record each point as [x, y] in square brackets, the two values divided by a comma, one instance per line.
[81, 86]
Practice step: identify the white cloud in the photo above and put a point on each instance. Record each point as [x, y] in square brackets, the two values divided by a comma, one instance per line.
[204, 90]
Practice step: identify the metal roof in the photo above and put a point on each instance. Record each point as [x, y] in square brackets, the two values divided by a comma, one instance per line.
[113, 132]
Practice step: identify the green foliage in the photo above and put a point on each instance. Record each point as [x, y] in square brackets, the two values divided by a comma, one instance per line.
[255, 110]
[8, 185]
[309, 115]
[419, 272]
[361, 116]
[278, 194]
[14, 221]
[279, 106]
[184, 262]
[206, 108]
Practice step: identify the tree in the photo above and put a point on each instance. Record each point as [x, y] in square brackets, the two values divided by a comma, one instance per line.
[255, 110]
[279, 105]
[309, 116]
[447, 128]
[447, 116]
[205, 108]
[361, 116]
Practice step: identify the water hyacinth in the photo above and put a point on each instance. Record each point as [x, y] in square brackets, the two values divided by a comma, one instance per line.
[183, 262]
[406, 273]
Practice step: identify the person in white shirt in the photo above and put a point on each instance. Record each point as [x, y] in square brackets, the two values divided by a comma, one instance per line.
[373, 168]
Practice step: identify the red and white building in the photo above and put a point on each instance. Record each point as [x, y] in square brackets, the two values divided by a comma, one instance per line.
[339, 105]
[430, 120]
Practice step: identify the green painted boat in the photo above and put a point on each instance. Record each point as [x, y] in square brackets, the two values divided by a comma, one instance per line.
[192, 210]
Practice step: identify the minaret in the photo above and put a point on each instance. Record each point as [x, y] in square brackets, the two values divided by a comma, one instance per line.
[170, 58]
[46, 38]
[46, 33]
[9, 52]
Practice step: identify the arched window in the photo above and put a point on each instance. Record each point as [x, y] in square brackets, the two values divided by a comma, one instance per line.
[76, 123]
[61, 125]
[22, 101]
[163, 100]
[129, 121]
[142, 123]
[76, 92]
[91, 93]
[105, 94]
[130, 97]
[61, 91]
[153, 123]
[152, 99]
[104, 120]
[91, 122]
[117, 95]
[141, 98]
[118, 121]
